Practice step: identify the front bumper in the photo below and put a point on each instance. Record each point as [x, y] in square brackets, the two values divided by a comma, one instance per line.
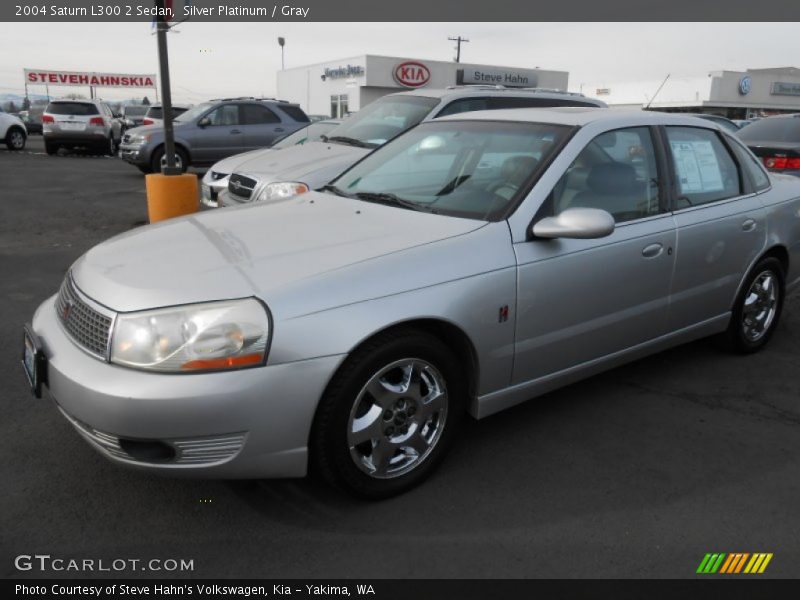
[212, 184]
[136, 155]
[251, 423]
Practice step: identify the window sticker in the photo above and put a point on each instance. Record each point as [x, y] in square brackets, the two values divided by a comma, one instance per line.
[697, 167]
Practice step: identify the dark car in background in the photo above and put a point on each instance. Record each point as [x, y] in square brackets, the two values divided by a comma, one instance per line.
[776, 141]
[133, 114]
[212, 131]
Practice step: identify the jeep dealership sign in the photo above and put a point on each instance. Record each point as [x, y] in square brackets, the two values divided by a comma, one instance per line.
[123, 80]
[411, 74]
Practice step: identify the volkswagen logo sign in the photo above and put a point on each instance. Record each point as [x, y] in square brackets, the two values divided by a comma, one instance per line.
[745, 83]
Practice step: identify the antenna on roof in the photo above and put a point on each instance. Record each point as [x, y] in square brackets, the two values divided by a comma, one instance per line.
[656, 94]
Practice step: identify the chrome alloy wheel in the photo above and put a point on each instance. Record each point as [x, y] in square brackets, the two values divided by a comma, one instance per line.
[17, 140]
[397, 418]
[760, 306]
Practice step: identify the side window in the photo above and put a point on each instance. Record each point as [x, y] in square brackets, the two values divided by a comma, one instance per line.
[463, 105]
[704, 169]
[227, 114]
[254, 114]
[750, 164]
[523, 102]
[616, 172]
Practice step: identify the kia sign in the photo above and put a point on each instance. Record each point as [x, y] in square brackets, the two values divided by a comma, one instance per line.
[73, 78]
[411, 74]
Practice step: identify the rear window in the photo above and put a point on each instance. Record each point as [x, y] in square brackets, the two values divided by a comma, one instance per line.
[295, 112]
[780, 129]
[135, 111]
[79, 109]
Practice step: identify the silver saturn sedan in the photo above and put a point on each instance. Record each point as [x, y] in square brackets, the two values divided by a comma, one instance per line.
[473, 263]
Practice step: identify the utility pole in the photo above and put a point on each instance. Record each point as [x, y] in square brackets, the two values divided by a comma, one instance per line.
[166, 95]
[281, 43]
[459, 40]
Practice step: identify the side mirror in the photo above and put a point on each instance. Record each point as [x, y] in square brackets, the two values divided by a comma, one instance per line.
[576, 223]
[204, 122]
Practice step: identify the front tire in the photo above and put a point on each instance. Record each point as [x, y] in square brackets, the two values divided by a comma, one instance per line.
[15, 139]
[389, 415]
[158, 158]
[758, 308]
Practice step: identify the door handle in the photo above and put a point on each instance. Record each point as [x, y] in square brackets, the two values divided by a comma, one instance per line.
[652, 250]
[235, 131]
[749, 225]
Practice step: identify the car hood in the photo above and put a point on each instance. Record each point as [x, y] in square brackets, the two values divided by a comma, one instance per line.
[251, 250]
[228, 165]
[302, 163]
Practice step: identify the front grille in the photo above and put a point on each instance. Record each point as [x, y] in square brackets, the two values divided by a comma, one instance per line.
[86, 326]
[241, 186]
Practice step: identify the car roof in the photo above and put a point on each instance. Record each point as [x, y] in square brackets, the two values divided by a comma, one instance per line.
[463, 91]
[578, 116]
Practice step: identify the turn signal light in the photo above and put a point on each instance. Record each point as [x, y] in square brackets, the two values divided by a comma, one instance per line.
[224, 363]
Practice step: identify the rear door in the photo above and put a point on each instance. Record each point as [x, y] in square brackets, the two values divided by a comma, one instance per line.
[721, 225]
[262, 126]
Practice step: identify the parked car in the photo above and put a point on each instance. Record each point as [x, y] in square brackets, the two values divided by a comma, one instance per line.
[216, 178]
[724, 122]
[80, 123]
[473, 263]
[32, 124]
[12, 131]
[776, 141]
[264, 178]
[155, 114]
[213, 130]
[133, 115]
[743, 122]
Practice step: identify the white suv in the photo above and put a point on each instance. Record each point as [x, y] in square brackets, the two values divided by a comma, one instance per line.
[12, 131]
[85, 123]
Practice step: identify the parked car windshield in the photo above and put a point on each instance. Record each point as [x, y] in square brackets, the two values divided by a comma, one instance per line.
[136, 110]
[194, 112]
[472, 169]
[79, 109]
[380, 121]
[779, 129]
[306, 134]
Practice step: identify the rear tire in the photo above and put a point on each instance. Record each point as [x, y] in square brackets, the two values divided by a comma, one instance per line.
[757, 309]
[389, 415]
[15, 139]
[51, 148]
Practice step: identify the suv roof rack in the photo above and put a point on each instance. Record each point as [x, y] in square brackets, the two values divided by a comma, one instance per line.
[498, 87]
[247, 98]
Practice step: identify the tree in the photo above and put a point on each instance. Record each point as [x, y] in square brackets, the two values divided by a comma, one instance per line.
[146, 101]
[26, 103]
[12, 108]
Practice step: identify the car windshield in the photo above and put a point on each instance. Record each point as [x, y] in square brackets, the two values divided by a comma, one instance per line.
[306, 134]
[157, 112]
[780, 129]
[472, 169]
[79, 109]
[193, 112]
[380, 121]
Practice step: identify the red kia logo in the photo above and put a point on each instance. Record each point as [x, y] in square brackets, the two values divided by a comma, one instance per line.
[412, 74]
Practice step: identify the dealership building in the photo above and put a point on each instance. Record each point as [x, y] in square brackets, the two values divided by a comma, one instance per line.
[733, 94]
[337, 87]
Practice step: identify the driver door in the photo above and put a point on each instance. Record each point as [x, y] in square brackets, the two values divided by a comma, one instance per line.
[582, 300]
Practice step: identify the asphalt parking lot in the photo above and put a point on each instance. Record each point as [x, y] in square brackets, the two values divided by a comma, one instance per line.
[635, 473]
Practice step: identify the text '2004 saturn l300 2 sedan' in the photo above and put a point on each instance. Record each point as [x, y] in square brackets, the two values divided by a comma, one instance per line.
[474, 262]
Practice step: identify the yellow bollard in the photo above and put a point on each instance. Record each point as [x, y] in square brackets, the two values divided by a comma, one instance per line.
[171, 196]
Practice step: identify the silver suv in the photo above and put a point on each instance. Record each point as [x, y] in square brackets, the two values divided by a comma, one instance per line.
[80, 123]
[213, 130]
[276, 175]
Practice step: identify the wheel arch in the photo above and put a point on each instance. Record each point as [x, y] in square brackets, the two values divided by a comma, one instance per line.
[777, 251]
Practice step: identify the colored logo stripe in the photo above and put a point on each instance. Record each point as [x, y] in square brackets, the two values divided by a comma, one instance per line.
[734, 563]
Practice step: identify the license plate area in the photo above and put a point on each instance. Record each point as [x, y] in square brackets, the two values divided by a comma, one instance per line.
[33, 361]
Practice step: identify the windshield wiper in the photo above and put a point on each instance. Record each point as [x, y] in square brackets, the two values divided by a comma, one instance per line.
[350, 141]
[392, 200]
[328, 187]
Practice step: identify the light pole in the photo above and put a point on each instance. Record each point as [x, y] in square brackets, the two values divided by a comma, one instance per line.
[281, 43]
[459, 40]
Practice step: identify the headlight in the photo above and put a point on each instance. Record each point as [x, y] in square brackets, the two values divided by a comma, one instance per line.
[138, 140]
[278, 191]
[217, 335]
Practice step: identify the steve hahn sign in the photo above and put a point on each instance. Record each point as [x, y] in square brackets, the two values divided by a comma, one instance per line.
[73, 78]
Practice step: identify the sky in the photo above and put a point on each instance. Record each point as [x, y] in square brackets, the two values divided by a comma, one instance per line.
[212, 60]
